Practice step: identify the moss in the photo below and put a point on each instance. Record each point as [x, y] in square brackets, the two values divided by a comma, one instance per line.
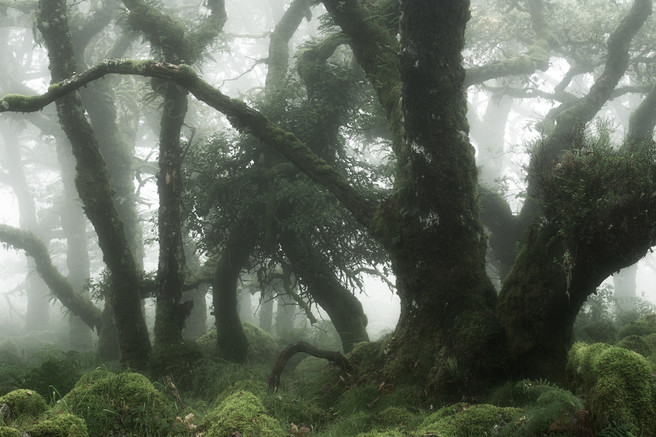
[262, 348]
[637, 344]
[178, 361]
[6, 431]
[119, 403]
[241, 413]
[24, 403]
[310, 366]
[18, 103]
[469, 420]
[617, 383]
[395, 417]
[60, 425]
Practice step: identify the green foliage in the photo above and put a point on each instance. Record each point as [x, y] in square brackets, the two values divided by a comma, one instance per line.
[243, 413]
[548, 403]
[617, 383]
[119, 403]
[643, 326]
[595, 191]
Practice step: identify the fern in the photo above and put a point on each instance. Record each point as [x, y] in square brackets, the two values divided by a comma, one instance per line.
[618, 430]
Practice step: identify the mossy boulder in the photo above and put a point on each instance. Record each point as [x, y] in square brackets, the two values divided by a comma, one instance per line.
[123, 403]
[464, 420]
[23, 403]
[262, 348]
[618, 385]
[59, 425]
[241, 413]
[6, 431]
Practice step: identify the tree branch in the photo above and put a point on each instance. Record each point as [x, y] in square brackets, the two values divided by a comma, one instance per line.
[78, 304]
[241, 116]
[287, 353]
[535, 59]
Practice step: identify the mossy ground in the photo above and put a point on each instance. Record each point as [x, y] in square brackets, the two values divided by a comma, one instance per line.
[319, 399]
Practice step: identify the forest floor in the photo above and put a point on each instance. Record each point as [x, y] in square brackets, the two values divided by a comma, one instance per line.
[47, 392]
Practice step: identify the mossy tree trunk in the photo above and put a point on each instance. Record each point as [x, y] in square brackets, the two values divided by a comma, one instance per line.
[93, 185]
[177, 44]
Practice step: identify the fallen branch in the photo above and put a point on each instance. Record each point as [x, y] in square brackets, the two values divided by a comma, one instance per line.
[301, 346]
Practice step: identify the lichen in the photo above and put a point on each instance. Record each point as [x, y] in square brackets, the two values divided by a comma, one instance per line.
[241, 413]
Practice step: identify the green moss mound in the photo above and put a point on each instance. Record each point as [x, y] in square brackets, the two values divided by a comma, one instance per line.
[618, 384]
[463, 420]
[60, 425]
[241, 413]
[24, 403]
[6, 431]
[262, 348]
[124, 403]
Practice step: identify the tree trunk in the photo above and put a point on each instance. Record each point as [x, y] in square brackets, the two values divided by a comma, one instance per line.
[94, 188]
[231, 339]
[170, 316]
[37, 316]
[196, 323]
[446, 328]
[343, 308]
[77, 253]
[266, 308]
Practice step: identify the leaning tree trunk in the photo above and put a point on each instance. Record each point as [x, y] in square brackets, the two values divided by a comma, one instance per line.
[93, 185]
[343, 308]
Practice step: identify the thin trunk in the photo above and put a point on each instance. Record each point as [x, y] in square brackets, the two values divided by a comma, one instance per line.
[170, 314]
[231, 339]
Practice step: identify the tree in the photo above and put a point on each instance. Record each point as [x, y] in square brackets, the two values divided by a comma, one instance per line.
[577, 225]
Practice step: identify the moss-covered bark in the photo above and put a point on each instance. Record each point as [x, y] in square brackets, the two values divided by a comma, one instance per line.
[170, 274]
[177, 44]
[92, 181]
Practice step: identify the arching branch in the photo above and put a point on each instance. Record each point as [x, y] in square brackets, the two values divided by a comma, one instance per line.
[78, 304]
[294, 348]
[242, 117]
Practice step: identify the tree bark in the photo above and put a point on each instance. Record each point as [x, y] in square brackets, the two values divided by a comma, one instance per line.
[94, 188]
